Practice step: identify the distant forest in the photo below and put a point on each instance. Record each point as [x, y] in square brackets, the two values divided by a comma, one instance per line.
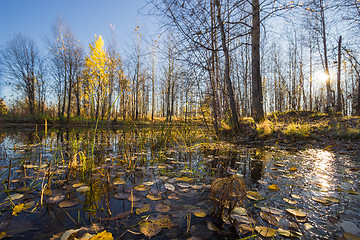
[222, 60]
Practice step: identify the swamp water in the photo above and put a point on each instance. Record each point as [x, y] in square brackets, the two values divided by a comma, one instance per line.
[138, 183]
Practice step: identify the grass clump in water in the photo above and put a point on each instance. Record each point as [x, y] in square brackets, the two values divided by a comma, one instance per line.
[227, 193]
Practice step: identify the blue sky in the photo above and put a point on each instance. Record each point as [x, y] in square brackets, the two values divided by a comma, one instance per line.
[85, 18]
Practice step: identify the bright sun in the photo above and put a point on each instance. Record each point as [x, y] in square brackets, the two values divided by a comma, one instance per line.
[321, 77]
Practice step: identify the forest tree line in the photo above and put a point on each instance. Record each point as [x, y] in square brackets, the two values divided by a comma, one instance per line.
[221, 60]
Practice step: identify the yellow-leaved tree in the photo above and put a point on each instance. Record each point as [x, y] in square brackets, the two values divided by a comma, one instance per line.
[95, 76]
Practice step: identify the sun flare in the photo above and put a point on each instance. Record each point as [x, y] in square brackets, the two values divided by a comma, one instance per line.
[321, 77]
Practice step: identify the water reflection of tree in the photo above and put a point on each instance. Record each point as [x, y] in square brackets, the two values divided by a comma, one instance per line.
[257, 165]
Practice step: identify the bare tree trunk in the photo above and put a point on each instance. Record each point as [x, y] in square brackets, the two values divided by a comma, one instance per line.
[358, 98]
[310, 84]
[328, 87]
[228, 82]
[339, 102]
[257, 95]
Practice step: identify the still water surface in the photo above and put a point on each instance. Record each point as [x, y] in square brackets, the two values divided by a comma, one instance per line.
[167, 172]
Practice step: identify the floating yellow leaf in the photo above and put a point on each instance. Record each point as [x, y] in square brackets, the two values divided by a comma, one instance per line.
[18, 208]
[288, 233]
[308, 226]
[103, 236]
[141, 188]
[265, 231]
[145, 208]
[331, 199]
[293, 169]
[184, 179]
[153, 197]
[273, 187]
[76, 185]
[47, 192]
[149, 183]
[254, 195]
[295, 212]
[289, 201]
[348, 236]
[296, 196]
[163, 221]
[119, 182]
[2, 235]
[278, 165]
[149, 229]
[321, 200]
[200, 214]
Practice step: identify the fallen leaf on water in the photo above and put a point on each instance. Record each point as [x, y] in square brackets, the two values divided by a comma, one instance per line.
[295, 212]
[2, 235]
[273, 187]
[76, 185]
[133, 198]
[163, 221]
[331, 199]
[212, 227]
[14, 197]
[149, 183]
[56, 199]
[103, 236]
[121, 196]
[321, 200]
[254, 195]
[265, 231]
[293, 169]
[350, 227]
[149, 229]
[288, 233]
[289, 201]
[200, 214]
[348, 236]
[196, 187]
[163, 178]
[169, 187]
[333, 220]
[295, 196]
[352, 192]
[68, 203]
[308, 226]
[173, 197]
[183, 185]
[245, 228]
[240, 211]
[153, 197]
[18, 208]
[278, 165]
[269, 218]
[83, 189]
[272, 210]
[162, 208]
[145, 208]
[141, 188]
[119, 182]
[69, 234]
[184, 179]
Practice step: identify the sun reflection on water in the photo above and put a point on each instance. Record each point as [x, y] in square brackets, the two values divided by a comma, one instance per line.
[322, 168]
